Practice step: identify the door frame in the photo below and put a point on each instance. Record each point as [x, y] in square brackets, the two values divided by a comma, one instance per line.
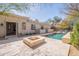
[15, 31]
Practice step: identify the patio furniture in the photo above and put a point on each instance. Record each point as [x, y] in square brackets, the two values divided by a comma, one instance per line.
[33, 41]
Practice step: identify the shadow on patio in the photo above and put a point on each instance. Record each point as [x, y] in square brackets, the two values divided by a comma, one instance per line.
[8, 40]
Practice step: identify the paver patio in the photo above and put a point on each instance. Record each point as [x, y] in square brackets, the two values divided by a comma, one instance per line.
[15, 47]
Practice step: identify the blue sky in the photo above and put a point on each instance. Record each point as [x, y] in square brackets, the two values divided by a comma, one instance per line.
[43, 12]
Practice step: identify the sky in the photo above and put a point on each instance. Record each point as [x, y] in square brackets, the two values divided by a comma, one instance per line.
[43, 12]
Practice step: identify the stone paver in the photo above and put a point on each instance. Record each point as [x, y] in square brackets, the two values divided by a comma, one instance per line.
[15, 47]
[73, 51]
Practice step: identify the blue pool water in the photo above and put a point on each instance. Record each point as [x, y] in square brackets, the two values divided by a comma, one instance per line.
[57, 36]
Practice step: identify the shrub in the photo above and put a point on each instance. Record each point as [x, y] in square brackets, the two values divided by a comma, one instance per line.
[75, 35]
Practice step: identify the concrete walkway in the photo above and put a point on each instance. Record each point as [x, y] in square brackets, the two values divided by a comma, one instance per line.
[15, 47]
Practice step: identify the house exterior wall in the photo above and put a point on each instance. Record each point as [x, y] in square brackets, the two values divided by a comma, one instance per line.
[46, 28]
[19, 26]
[19, 20]
[2, 27]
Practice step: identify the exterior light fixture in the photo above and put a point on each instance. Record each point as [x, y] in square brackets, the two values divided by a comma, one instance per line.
[1, 24]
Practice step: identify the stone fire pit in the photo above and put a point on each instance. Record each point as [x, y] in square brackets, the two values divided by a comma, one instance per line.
[33, 41]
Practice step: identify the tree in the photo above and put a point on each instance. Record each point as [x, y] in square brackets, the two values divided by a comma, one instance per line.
[64, 25]
[56, 19]
[49, 21]
[9, 8]
[71, 10]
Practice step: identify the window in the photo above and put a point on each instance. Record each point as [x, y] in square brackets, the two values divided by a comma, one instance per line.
[24, 26]
[33, 27]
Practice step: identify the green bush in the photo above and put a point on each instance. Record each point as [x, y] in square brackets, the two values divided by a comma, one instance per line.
[75, 35]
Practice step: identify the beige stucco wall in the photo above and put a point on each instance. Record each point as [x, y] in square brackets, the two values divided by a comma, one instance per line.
[50, 30]
[28, 26]
[19, 20]
[2, 28]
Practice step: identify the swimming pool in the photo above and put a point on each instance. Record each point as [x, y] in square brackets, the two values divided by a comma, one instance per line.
[57, 36]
